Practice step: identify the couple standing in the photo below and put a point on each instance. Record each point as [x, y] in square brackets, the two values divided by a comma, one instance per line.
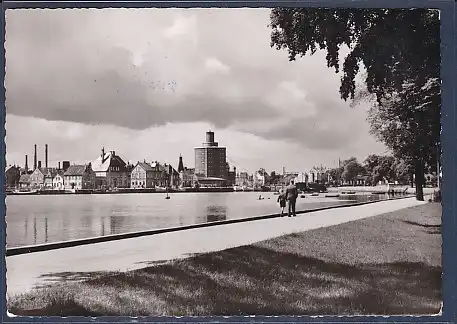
[290, 195]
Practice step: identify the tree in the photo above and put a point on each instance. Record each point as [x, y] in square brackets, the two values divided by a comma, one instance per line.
[399, 75]
[352, 169]
[404, 171]
[335, 175]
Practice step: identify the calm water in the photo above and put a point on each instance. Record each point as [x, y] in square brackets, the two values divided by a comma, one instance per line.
[44, 219]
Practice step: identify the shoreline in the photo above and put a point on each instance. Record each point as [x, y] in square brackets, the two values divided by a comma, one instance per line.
[342, 190]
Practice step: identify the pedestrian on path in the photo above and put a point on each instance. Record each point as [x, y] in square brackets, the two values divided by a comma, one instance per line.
[282, 200]
[291, 196]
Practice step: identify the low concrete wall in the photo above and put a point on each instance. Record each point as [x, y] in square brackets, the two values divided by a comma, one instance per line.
[408, 189]
[114, 237]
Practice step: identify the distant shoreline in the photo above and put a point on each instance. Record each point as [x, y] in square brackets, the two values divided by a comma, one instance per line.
[346, 189]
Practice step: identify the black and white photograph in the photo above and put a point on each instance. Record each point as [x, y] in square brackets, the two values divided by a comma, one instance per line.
[223, 161]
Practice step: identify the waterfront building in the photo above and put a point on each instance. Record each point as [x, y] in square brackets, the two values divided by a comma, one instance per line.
[188, 178]
[302, 177]
[261, 178]
[231, 176]
[210, 160]
[160, 176]
[142, 176]
[37, 179]
[79, 177]
[111, 171]
[244, 180]
[42, 177]
[173, 178]
[58, 182]
[12, 176]
[319, 174]
[24, 180]
[210, 182]
[288, 177]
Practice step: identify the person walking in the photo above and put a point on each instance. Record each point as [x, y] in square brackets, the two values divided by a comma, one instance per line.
[282, 201]
[291, 196]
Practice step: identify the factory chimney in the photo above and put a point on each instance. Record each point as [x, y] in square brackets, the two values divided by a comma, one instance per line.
[39, 164]
[46, 155]
[26, 163]
[34, 159]
[59, 166]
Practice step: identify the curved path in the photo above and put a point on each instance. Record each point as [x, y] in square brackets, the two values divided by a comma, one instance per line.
[36, 269]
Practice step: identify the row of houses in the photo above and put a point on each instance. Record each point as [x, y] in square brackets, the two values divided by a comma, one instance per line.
[75, 177]
[108, 171]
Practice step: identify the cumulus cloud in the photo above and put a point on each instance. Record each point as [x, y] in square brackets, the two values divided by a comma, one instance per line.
[144, 68]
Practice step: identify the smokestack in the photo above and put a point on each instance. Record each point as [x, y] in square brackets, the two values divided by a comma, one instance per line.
[26, 163]
[59, 165]
[46, 155]
[35, 159]
[39, 164]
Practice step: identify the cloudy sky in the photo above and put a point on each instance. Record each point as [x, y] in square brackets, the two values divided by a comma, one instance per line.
[148, 83]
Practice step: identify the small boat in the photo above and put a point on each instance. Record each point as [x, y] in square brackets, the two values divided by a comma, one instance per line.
[167, 196]
[25, 192]
[276, 193]
[302, 196]
[315, 194]
[261, 198]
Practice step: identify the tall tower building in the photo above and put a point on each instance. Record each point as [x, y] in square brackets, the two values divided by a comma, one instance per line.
[210, 159]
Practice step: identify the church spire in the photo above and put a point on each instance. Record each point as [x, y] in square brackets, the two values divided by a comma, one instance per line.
[180, 165]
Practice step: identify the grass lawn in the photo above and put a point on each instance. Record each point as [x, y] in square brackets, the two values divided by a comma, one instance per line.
[388, 264]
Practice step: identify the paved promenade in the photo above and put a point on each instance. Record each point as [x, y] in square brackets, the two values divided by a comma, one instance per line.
[30, 270]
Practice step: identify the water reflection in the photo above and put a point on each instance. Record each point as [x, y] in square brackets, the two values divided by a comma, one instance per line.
[34, 231]
[46, 230]
[216, 213]
[102, 221]
[68, 217]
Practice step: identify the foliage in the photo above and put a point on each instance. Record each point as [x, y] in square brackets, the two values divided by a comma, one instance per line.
[403, 80]
[352, 168]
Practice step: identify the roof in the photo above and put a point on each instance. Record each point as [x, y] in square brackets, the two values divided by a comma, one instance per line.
[48, 172]
[102, 164]
[75, 170]
[158, 166]
[12, 167]
[210, 178]
[25, 178]
[145, 166]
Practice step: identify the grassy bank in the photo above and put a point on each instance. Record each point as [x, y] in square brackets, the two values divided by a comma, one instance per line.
[389, 264]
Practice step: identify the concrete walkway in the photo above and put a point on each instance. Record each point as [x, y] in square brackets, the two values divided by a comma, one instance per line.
[36, 269]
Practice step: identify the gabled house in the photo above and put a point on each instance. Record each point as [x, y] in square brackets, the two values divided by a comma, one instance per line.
[79, 177]
[42, 177]
[160, 175]
[24, 181]
[111, 171]
[142, 176]
[58, 182]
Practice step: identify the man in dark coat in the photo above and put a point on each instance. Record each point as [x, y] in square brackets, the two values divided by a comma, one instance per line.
[291, 196]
